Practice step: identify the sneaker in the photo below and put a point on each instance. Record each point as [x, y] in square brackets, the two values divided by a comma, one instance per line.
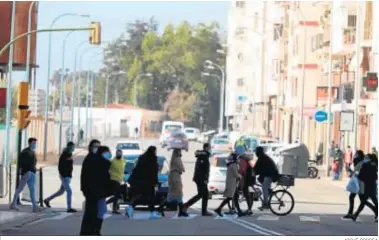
[354, 218]
[183, 214]
[218, 212]
[37, 209]
[206, 214]
[249, 213]
[47, 203]
[129, 212]
[13, 207]
[241, 214]
[231, 212]
[71, 210]
[347, 216]
[155, 215]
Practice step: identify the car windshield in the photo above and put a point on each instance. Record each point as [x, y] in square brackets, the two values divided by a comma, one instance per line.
[189, 131]
[129, 167]
[220, 141]
[221, 162]
[178, 135]
[172, 128]
[128, 146]
[251, 143]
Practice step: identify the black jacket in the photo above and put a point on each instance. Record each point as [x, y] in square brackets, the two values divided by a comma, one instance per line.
[65, 164]
[95, 178]
[28, 161]
[369, 174]
[266, 167]
[202, 167]
[144, 176]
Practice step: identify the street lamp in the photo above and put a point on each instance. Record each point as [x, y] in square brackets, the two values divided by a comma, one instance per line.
[106, 99]
[135, 86]
[211, 65]
[48, 77]
[222, 98]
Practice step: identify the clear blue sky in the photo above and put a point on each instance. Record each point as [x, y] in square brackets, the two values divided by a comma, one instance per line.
[114, 16]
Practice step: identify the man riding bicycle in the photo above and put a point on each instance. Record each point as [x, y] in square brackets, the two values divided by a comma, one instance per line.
[268, 173]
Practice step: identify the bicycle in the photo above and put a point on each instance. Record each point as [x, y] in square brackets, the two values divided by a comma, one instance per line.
[280, 189]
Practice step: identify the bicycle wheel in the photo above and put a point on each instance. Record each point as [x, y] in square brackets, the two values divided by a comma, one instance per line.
[281, 198]
[312, 172]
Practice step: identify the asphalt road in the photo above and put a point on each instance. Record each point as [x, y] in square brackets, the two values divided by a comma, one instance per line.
[319, 207]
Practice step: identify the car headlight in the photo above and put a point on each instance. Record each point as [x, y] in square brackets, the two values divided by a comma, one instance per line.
[164, 184]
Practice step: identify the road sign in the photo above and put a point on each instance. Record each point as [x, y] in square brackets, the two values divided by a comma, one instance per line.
[242, 98]
[321, 116]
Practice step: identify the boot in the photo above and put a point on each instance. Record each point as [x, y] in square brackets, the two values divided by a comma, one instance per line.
[182, 213]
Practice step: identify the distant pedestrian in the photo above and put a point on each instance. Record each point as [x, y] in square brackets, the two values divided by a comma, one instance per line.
[28, 169]
[136, 131]
[337, 163]
[65, 168]
[175, 185]
[374, 151]
[143, 181]
[117, 170]
[201, 178]
[348, 157]
[81, 135]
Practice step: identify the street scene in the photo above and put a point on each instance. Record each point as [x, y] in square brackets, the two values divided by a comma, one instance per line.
[248, 118]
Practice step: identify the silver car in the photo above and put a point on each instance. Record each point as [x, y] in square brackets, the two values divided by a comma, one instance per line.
[177, 140]
[217, 176]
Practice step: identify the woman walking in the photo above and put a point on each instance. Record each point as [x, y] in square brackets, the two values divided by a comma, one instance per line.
[116, 171]
[232, 179]
[175, 185]
[143, 181]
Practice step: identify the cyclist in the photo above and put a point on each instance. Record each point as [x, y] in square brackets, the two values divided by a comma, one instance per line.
[268, 173]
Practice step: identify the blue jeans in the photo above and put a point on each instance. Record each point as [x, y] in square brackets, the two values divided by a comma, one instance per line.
[29, 179]
[266, 185]
[65, 187]
[101, 209]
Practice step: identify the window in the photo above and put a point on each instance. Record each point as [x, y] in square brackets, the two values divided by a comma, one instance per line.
[352, 21]
[240, 82]
[278, 31]
[317, 42]
[240, 4]
[239, 31]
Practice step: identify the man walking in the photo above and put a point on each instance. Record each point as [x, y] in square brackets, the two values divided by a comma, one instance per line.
[65, 167]
[201, 177]
[28, 169]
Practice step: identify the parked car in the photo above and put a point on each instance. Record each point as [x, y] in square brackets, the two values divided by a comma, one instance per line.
[177, 140]
[220, 145]
[217, 176]
[129, 147]
[131, 161]
[192, 133]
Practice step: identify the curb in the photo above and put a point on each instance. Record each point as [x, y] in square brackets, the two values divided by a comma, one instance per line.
[21, 222]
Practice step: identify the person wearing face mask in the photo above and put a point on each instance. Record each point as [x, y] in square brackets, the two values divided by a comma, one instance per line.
[88, 178]
[116, 171]
[28, 169]
[65, 168]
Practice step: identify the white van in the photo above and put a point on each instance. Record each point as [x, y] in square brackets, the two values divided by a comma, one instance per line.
[167, 128]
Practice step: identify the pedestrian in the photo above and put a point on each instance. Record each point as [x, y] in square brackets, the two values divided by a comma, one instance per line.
[28, 169]
[143, 182]
[268, 173]
[368, 174]
[65, 168]
[348, 157]
[81, 135]
[353, 185]
[231, 184]
[91, 189]
[201, 178]
[337, 162]
[175, 185]
[117, 170]
[136, 131]
[247, 181]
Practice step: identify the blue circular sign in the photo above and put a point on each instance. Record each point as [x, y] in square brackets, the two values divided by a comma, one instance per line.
[321, 116]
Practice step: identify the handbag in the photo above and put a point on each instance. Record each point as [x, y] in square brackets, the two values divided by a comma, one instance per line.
[353, 185]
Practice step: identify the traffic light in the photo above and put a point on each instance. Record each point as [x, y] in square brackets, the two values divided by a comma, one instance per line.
[95, 33]
[23, 112]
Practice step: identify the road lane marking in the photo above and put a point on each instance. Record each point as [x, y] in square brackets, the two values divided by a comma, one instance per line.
[61, 216]
[268, 218]
[309, 218]
[226, 217]
[350, 220]
[248, 227]
[270, 232]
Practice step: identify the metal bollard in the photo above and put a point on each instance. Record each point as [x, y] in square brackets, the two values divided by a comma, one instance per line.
[41, 187]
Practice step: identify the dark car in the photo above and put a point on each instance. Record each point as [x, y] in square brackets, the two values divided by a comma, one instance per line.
[161, 194]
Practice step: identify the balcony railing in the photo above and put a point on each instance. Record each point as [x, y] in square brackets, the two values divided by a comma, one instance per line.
[349, 36]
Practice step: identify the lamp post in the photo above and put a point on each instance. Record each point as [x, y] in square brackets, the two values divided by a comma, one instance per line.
[222, 94]
[135, 86]
[212, 64]
[48, 82]
[106, 99]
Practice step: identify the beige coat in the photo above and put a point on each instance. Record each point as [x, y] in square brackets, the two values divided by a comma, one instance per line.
[175, 185]
[232, 176]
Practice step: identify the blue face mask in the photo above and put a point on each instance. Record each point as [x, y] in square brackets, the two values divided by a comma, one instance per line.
[107, 155]
[33, 146]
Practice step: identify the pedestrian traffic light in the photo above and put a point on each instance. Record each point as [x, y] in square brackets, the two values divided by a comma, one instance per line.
[23, 112]
[95, 33]
[23, 118]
